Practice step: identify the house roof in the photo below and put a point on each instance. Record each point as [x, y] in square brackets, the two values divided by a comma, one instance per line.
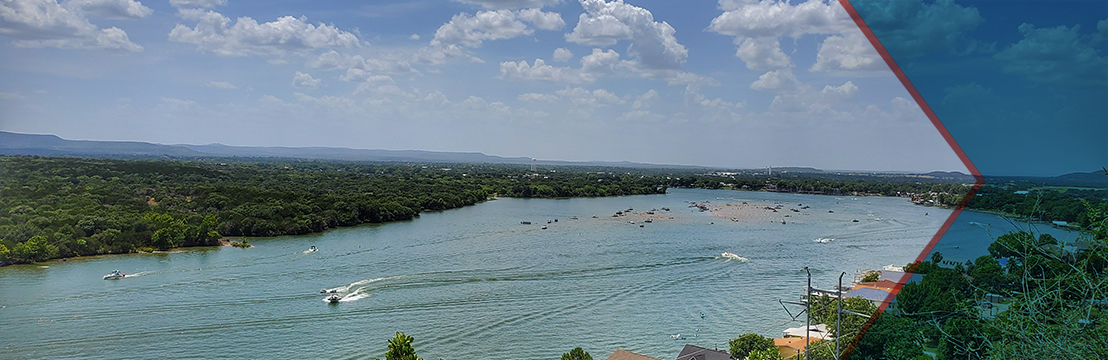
[795, 343]
[818, 331]
[887, 285]
[621, 354]
[693, 352]
[876, 295]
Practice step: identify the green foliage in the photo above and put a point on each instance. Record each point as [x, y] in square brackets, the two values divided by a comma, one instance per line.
[100, 206]
[577, 354]
[871, 277]
[33, 250]
[400, 348]
[764, 354]
[749, 342]
[1054, 306]
[4, 253]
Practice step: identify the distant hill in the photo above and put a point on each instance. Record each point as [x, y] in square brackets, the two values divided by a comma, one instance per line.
[51, 145]
[1092, 179]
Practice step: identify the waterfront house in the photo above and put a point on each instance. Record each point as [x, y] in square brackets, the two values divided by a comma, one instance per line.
[621, 354]
[791, 346]
[693, 352]
[817, 332]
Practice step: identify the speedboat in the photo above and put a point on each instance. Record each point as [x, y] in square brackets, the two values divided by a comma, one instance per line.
[333, 299]
[312, 249]
[114, 275]
[325, 291]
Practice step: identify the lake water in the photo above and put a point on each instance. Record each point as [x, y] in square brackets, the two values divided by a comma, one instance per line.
[470, 283]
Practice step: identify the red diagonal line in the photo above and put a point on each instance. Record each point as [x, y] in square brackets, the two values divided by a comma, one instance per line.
[978, 179]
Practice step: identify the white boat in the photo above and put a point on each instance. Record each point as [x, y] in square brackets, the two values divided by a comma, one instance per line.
[733, 256]
[114, 275]
[334, 299]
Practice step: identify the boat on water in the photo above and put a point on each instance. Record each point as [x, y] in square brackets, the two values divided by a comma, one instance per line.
[334, 299]
[732, 256]
[312, 249]
[326, 291]
[824, 240]
[114, 275]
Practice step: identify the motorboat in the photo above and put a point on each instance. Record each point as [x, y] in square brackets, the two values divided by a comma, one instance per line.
[114, 275]
[326, 291]
[334, 299]
[312, 249]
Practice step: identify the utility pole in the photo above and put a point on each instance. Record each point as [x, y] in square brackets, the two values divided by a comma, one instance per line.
[839, 316]
[808, 327]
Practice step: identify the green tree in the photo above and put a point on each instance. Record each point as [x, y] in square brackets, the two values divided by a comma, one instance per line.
[748, 343]
[576, 354]
[34, 249]
[764, 354]
[400, 348]
[3, 253]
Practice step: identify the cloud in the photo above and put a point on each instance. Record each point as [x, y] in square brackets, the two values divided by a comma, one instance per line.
[651, 43]
[779, 18]
[645, 100]
[173, 106]
[762, 54]
[534, 97]
[306, 81]
[758, 26]
[221, 85]
[848, 53]
[779, 80]
[215, 34]
[1055, 55]
[912, 28]
[45, 23]
[10, 96]
[359, 75]
[414, 37]
[195, 4]
[542, 19]
[111, 9]
[589, 99]
[600, 62]
[510, 4]
[562, 54]
[512, 70]
[470, 31]
[842, 92]
[641, 116]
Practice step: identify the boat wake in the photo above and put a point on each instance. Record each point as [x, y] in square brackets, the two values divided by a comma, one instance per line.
[140, 273]
[732, 256]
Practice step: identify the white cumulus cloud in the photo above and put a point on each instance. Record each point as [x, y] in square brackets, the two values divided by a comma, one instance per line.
[214, 33]
[600, 62]
[111, 9]
[471, 30]
[562, 54]
[535, 97]
[651, 43]
[512, 70]
[302, 80]
[45, 23]
[851, 53]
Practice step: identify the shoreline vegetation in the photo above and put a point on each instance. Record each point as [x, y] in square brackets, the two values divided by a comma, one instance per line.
[64, 207]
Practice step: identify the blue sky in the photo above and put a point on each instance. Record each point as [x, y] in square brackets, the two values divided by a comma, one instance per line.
[1021, 86]
[728, 83]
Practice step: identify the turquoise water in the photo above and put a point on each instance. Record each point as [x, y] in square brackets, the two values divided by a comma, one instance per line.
[468, 283]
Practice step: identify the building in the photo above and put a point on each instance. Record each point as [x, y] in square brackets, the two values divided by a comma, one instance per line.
[791, 346]
[817, 332]
[693, 352]
[621, 354]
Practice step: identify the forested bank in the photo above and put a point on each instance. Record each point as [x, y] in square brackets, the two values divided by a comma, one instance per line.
[65, 207]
